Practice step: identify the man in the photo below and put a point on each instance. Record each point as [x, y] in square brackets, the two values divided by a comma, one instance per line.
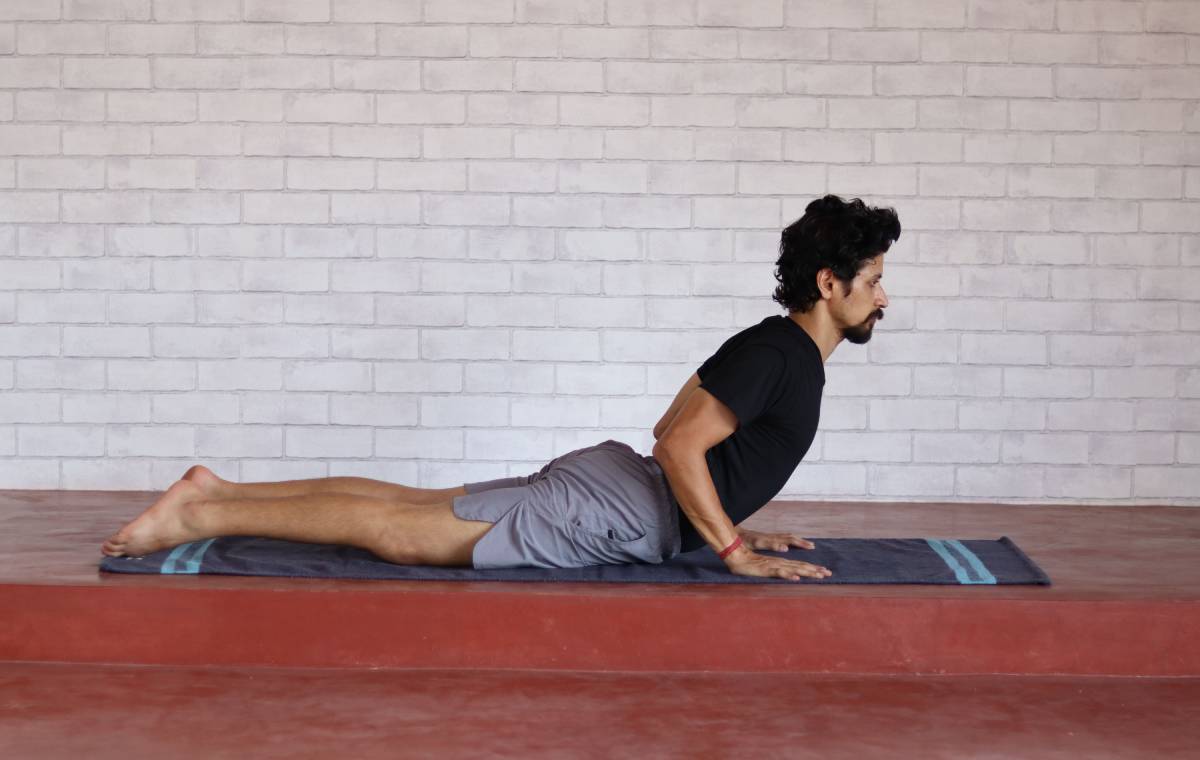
[731, 438]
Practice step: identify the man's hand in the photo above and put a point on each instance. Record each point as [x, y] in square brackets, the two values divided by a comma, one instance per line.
[778, 542]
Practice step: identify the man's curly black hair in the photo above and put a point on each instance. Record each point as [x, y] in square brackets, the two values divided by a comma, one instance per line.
[832, 233]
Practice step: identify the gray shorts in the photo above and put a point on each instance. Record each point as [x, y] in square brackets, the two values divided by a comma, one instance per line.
[601, 505]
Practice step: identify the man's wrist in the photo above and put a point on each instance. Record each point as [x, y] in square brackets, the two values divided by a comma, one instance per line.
[737, 554]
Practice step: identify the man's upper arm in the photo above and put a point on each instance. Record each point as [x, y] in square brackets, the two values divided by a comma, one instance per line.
[676, 404]
[701, 423]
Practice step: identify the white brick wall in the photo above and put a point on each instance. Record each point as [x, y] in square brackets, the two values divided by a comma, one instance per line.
[435, 241]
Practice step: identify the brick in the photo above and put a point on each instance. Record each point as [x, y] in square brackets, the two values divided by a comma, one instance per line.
[1011, 14]
[1014, 216]
[1142, 116]
[647, 77]
[940, 314]
[558, 143]
[1139, 183]
[240, 39]
[919, 147]
[106, 73]
[961, 247]
[331, 39]
[652, 12]
[872, 113]
[1090, 482]
[919, 79]
[1097, 149]
[377, 75]
[828, 79]
[921, 14]
[956, 447]
[647, 211]
[1051, 182]
[1009, 81]
[1045, 47]
[746, 13]
[1057, 249]
[603, 110]
[651, 143]
[1163, 216]
[1142, 48]
[608, 245]
[892, 180]
[1059, 116]
[693, 111]
[48, 39]
[962, 180]
[1174, 16]
[560, 76]
[693, 44]
[687, 178]
[1135, 382]
[421, 108]
[1089, 415]
[513, 42]
[377, 11]
[1146, 250]
[603, 177]
[780, 179]
[466, 142]
[971, 47]
[1093, 82]
[594, 42]
[468, 75]
[739, 77]
[1032, 316]
[1171, 149]
[736, 212]
[549, 12]
[424, 41]
[1045, 448]
[961, 113]
[1099, 16]
[1053, 382]
[1179, 82]
[873, 46]
[190, 10]
[1002, 415]
[1005, 282]
[791, 112]
[785, 44]
[1133, 448]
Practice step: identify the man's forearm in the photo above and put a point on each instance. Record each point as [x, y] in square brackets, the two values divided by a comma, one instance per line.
[692, 484]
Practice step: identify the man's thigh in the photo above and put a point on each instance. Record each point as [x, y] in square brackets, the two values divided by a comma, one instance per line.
[431, 534]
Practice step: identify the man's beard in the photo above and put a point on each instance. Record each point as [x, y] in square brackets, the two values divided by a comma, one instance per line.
[861, 333]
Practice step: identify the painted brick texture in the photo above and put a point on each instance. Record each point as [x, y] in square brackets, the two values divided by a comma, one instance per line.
[438, 241]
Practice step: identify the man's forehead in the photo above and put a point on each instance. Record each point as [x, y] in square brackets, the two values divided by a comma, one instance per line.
[873, 266]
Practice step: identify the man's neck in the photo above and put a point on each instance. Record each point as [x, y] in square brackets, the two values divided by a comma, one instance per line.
[820, 328]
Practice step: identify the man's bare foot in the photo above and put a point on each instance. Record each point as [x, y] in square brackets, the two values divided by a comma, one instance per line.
[163, 525]
[213, 485]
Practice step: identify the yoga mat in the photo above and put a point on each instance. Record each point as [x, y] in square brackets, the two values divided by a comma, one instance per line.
[852, 560]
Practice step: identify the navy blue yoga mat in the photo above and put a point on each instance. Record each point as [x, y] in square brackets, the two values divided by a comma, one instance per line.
[852, 560]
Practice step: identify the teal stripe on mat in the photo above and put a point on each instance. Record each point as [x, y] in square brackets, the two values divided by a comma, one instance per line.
[168, 565]
[171, 564]
[193, 565]
[976, 563]
[946, 551]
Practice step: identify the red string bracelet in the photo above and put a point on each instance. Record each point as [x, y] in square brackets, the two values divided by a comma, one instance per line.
[729, 549]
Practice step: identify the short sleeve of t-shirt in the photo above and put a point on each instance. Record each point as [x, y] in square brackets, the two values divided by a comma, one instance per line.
[746, 380]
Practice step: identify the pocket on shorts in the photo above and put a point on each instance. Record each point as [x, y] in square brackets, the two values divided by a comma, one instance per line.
[613, 535]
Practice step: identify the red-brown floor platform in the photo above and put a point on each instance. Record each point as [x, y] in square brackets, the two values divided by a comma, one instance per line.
[53, 712]
[1125, 601]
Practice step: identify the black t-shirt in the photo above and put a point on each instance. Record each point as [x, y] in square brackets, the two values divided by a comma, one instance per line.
[771, 376]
